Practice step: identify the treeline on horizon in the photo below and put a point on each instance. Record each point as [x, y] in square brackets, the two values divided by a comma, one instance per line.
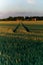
[22, 18]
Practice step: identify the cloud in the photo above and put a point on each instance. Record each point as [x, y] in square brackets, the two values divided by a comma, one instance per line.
[31, 1]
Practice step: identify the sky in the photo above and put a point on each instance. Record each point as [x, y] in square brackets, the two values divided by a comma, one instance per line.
[21, 7]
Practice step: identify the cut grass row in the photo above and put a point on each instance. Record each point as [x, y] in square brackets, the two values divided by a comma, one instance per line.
[23, 36]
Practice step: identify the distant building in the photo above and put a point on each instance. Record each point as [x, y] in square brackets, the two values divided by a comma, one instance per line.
[33, 19]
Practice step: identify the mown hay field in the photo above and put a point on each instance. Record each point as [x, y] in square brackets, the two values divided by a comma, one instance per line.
[9, 22]
[33, 22]
[19, 46]
[35, 30]
[25, 22]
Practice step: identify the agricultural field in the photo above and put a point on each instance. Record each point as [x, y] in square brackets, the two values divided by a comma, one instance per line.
[21, 43]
